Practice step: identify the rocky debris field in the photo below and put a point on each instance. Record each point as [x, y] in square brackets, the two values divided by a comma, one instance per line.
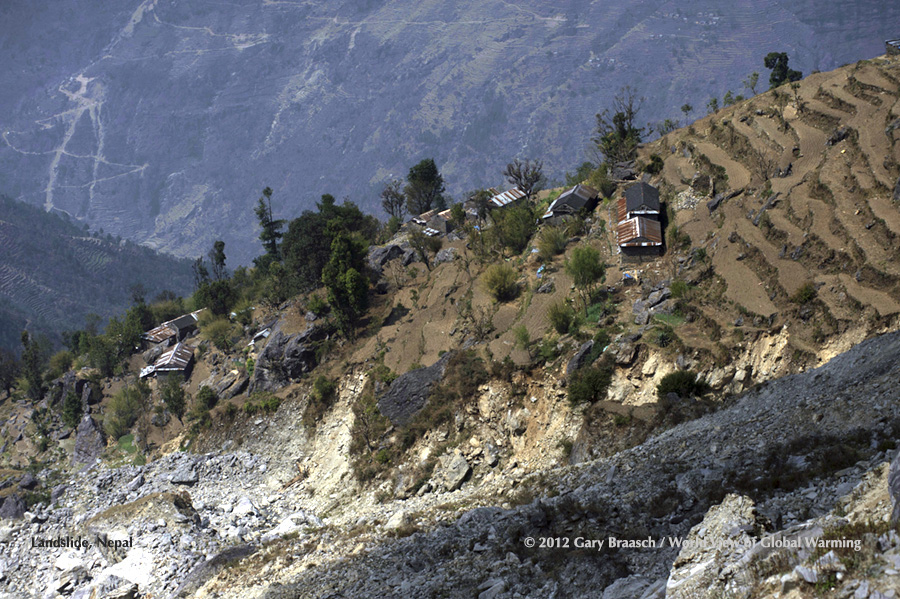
[794, 447]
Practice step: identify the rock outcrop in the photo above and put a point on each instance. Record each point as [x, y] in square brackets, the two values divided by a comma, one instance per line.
[89, 441]
[287, 357]
[409, 391]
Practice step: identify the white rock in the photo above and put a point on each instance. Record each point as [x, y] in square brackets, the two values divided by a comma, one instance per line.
[244, 507]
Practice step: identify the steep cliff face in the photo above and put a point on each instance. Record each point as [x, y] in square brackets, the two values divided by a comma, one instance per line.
[162, 121]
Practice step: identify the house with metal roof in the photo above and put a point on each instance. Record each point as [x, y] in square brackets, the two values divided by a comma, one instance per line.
[892, 47]
[506, 198]
[641, 199]
[639, 231]
[172, 331]
[177, 360]
[571, 202]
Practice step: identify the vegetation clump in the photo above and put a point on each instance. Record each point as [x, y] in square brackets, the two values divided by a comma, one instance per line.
[500, 282]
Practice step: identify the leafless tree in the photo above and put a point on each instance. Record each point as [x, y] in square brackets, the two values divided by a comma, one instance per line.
[392, 199]
[525, 174]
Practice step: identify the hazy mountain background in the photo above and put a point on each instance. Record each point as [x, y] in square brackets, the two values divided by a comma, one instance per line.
[53, 273]
[161, 120]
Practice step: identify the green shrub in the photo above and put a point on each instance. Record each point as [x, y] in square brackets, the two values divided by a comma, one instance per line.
[222, 333]
[206, 397]
[551, 242]
[320, 399]
[561, 316]
[684, 383]
[656, 165]
[60, 363]
[173, 395]
[318, 305]
[590, 383]
[805, 294]
[124, 409]
[679, 288]
[71, 409]
[500, 282]
[523, 338]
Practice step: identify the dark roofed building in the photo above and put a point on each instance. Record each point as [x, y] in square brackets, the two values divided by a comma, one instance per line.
[641, 200]
[172, 330]
[892, 47]
[571, 201]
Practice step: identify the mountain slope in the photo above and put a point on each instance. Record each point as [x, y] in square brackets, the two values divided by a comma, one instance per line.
[53, 273]
[167, 123]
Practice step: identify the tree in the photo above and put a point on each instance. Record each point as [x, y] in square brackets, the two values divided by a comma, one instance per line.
[686, 109]
[586, 270]
[424, 245]
[9, 370]
[712, 106]
[347, 286]
[218, 296]
[271, 227]
[482, 202]
[392, 199]
[71, 409]
[799, 102]
[751, 82]
[173, 396]
[617, 136]
[424, 188]
[138, 293]
[201, 274]
[525, 174]
[781, 73]
[217, 260]
[34, 355]
[666, 127]
[513, 226]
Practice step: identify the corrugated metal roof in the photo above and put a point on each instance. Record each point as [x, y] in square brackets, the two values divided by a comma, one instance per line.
[639, 231]
[159, 334]
[431, 232]
[507, 197]
[183, 322]
[176, 359]
[571, 201]
[621, 210]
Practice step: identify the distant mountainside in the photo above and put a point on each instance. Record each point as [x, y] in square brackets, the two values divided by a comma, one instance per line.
[162, 121]
[53, 273]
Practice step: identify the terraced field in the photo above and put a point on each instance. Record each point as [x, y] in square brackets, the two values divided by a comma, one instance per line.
[815, 207]
[52, 274]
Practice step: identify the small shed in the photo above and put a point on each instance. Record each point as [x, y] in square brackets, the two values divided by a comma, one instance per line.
[641, 199]
[571, 202]
[892, 47]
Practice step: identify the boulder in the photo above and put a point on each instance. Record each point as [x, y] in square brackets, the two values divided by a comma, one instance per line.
[623, 171]
[657, 297]
[186, 474]
[547, 287]
[287, 357]
[452, 471]
[625, 354]
[89, 442]
[409, 392]
[12, 508]
[839, 135]
[28, 481]
[151, 355]
[580, 357]
[379, 256]
[445, 255]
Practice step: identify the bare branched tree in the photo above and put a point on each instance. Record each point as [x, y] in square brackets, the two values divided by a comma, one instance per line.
[525, 174]
[392, 199]
[617, 135]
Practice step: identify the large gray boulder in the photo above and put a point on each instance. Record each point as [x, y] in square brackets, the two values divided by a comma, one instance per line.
[580, 357]
[379, 256]
[12, 508]
[409, 392]
[205, 570]
[287, 357]
[452, 471]
[89, 441]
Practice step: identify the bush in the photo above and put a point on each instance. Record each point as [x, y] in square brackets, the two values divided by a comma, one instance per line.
[124, 409]
[500, 282]
[317, 305]
[561, 316]
[590, 383]
[60, 363]
[683, 383]
[173, 395]
[71, 409]
[679, 289]
[805, 294]
[320, 399]
[551, 242]
[222, 333]
[656, 165]
[206, 397]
